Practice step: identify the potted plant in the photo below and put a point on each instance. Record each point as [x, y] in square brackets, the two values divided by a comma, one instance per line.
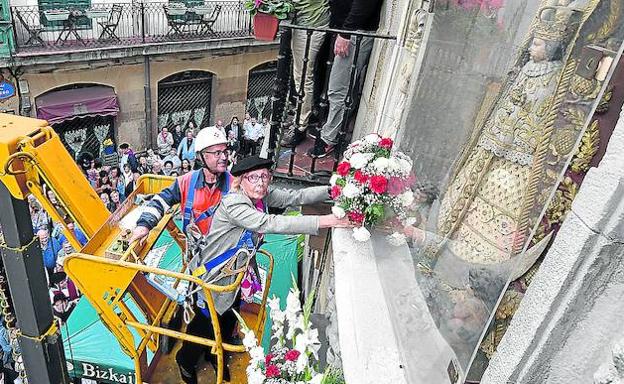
[266, 16]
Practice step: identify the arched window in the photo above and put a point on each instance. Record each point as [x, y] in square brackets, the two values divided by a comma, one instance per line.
[260, 89]
[184, 97]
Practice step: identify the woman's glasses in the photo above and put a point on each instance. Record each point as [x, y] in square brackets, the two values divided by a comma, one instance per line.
[254, 178]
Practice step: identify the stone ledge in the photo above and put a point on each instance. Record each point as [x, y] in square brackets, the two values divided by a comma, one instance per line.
[248, 44]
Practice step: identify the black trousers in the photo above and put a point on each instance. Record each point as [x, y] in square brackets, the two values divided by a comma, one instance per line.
[190, 353]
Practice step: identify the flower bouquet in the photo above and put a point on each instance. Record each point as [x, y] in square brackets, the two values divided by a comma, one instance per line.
[372, 183]
[294, 355]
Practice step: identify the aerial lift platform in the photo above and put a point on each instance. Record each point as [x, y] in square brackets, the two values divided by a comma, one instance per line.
[107, 270]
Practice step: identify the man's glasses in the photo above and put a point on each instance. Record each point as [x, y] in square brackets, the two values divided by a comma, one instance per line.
[225, 152]
[254, 178]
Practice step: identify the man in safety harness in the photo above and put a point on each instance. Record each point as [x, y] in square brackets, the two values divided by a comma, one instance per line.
[199, 193]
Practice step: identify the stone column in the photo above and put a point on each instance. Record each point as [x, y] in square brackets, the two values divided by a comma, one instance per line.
[572, 312]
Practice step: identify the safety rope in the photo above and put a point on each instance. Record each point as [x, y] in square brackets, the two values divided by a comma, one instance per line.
[9, 321]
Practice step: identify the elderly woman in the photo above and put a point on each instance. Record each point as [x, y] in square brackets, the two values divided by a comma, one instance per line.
[242, 217]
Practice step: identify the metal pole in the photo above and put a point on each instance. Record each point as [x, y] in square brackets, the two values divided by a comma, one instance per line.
[147, 91]
[280, 91]
[40, 342]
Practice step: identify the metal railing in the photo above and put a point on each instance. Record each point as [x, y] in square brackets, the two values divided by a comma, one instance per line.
[292, 162]
[79, 26]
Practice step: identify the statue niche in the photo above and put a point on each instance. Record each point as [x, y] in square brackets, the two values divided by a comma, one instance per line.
[480, 214]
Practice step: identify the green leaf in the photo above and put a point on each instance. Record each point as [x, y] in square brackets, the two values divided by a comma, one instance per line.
[341, 182]
[307, 307]
[241, 321]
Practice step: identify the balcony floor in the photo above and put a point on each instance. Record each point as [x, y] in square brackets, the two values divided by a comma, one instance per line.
[303, 162]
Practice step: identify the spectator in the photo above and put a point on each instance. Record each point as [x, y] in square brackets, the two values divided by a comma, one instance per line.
[143, 168]
[164, 142]
[186, 149]
[168, 168]
[308, 13]
[117, 181]
[233, 132]
[115, 201]
[49, 249]
[178, 135]
[104, 184]
[151, 158]
[105, 199]
[174, 159]
[351, 15]
[5, 344]
[253, 134]
[174, 174]
[133, 183]
[219, 126]
[78, 234]
[128, 177]
[193, 128]
[62, 308]
[185, 167]
[127, 157]
[39, 217]
[264, 150]
[55, 203]
[157, 168]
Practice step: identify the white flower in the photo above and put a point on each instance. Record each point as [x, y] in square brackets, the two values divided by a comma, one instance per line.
[308, 341]
[360, 160]
[255, 376]
[381, 164]
[317, 379]
[396, 239]
[302, 362]
[361, 234]
[333, 179]
[409, 221]
[373, 138]
[293, 305]
[405, 164]
[338, 212]
[249, 341]
[350, 191]
[406, 198]
[257, 354]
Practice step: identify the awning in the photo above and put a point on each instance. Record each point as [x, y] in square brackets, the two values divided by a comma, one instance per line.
[59, 106]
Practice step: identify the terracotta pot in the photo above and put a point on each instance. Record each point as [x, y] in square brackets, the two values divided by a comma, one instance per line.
[265, 26]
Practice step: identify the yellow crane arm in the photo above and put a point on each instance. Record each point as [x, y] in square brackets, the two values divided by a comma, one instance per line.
[32, 154]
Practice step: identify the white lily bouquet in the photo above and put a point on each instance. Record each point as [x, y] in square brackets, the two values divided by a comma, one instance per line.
[294, 355]
[373, 181]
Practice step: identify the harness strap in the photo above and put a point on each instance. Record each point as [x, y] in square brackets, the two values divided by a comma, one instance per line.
[246, 240]
[190, 197]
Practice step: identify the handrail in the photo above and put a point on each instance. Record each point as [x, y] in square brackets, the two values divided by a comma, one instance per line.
[338, 31]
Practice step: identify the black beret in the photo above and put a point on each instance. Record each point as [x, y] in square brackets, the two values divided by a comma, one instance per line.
[249, 164]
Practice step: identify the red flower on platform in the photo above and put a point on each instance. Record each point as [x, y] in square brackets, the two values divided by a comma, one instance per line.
[356, 217]
[343, 168]
[292, 355]
[335, 192]
[378, 184]
[272, 371]
[360, 177]
[268, 358]
[386, 143]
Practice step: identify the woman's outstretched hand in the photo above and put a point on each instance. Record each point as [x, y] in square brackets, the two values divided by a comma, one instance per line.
[331, 221]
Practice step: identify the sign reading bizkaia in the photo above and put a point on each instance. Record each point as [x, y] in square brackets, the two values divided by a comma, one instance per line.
[99, 373]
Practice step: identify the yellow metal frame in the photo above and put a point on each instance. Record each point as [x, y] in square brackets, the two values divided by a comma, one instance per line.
[107, 294]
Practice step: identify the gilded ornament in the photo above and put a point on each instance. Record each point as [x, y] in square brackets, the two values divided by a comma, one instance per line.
[564, 140]
[584, 88]
[603, 105]
[509, 304]
[590, 143]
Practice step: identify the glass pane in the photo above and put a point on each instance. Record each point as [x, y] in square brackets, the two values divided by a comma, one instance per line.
[500, 100]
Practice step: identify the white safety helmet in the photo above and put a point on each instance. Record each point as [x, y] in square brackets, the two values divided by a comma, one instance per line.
[209, 136]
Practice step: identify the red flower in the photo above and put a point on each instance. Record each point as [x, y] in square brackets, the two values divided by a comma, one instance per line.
[411, 180]
[360, 177]
[292, 355]
[343, 168]
[386, 143]
[378, 184]
[395, 186]
[335, 192]
[356, 217]
[272, 371]
[268, 358]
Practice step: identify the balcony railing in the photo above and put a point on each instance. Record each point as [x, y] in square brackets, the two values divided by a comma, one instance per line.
[293, 161]
[79, 26]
